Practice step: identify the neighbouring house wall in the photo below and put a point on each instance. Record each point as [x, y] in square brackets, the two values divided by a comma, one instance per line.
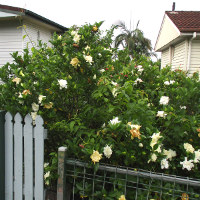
[10, 40]
[165, 58]
[35, 33]
[180, 56]
[195, 57]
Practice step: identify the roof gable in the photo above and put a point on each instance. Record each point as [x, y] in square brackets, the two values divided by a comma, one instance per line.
[168, 32]
[13, 11]
[185, 21]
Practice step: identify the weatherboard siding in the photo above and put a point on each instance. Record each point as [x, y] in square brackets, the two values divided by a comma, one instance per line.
[178, 60]
[195, 57]
[34, 33]
[10, 40]
[165, 58]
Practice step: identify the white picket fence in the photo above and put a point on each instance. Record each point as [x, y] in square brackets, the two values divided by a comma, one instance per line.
[24, 158]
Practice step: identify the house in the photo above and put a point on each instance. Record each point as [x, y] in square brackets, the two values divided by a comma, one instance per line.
[15, 23]
[179, 40]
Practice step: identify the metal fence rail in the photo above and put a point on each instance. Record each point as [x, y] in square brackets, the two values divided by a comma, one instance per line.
[109, 182]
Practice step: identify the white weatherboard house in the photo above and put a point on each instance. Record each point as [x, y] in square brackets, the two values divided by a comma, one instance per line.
[179, 40]
[17, 22]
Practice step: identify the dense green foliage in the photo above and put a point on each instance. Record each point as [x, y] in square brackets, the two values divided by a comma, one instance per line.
[106, 107]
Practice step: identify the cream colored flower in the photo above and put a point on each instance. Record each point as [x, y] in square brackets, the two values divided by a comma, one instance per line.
[88, 59]
[140, 145]
[96, 156]
[35, 107]
[33, 115]
[115, 121]
[188, 147]
[107, 151]
[164, 164]
[164, 100]
[16, 80]
[62, 83]
[197, 156]
[75, 62]
[169, 153]
[95, 76]
[122, 197]
[48, 105]
[40, 98]
[153, 157]
[155, 137]
[161, 114]
[187, 164]
[76, 38]
[74, 33]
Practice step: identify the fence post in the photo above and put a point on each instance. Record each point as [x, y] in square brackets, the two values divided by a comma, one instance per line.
[2, 155]
[61, 185]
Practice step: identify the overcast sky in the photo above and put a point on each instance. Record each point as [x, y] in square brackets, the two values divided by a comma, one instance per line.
[70, 12]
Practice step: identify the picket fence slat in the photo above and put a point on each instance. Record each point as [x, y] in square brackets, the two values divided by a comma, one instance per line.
[24, 158]
[39, 157]
[18, 157]
[8, 157]
[28, 158]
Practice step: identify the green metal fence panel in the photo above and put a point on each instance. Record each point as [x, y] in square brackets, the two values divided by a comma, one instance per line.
[2, 155]
[116, 182]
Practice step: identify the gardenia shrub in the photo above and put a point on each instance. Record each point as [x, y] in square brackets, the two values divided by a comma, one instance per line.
[105, 107]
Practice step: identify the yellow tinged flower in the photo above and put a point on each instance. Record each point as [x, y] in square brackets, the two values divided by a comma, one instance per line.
[122, 197]
[95, 28]
[48, 105]
[75, 62]
[21, 73]
[25, 92]
[185, 196]
[16, 80]
[96, 156]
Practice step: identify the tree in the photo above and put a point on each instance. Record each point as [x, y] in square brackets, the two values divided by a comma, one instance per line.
[134, 41]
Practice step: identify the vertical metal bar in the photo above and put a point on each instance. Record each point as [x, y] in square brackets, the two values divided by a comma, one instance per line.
[2, 155]
[61, 185]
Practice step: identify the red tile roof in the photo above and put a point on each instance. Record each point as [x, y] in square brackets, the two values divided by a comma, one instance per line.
[186, 21]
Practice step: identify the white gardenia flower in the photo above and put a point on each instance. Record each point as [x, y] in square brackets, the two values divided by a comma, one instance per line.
[197, 156]
[155, 137]
[140, 68]
[102, 70]
[159, 150]
[138, 80]
[140, 145]
[169, 82]
[114, 92]
[164, 100]
[62, 83]
[88, 59]
[59, 37]
[188, 147]
[114, 83]
[76, 38]
[187, 164]
[40, 98]
[107, 151]
[33, 115]
[169, 153]
[35, 107]
[74, 33]
[115, 121]
[87, 48]
[164, 164]
[161, 114]
[95, 76]
[183, 107]
[153, 157]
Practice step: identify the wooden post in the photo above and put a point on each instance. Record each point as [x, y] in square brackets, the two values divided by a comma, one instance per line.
[2, 155]
[61, 185]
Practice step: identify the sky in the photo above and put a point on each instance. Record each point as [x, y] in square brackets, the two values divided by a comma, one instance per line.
[149, 13]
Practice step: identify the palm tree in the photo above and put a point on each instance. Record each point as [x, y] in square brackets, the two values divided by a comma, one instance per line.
[134, 41]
